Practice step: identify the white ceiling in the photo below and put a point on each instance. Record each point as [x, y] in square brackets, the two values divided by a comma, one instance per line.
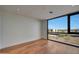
[40, 12]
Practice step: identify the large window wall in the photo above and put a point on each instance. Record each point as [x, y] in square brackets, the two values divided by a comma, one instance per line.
[64, 29]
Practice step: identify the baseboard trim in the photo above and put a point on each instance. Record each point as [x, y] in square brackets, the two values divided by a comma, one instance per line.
[21, 44]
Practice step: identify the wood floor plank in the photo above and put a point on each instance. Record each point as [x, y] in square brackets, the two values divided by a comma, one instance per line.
[41, 46]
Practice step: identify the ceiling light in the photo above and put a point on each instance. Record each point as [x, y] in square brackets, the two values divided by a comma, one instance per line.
[50, 12]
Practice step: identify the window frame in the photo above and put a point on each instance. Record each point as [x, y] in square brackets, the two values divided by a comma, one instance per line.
[59, 17]
[68, 28]
[68, 23]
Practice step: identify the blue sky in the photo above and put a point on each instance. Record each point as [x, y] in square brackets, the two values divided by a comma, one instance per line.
[61, 23]
[75, 21]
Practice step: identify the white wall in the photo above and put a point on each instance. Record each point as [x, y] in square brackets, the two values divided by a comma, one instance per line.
[0, 30]
[19, 29]
[44, 29]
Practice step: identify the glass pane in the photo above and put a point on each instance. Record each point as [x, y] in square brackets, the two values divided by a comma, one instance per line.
[58, 25]
[57, 28]
[74, 23]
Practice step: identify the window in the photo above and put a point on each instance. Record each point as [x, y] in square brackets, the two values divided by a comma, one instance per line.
[58, 25]
[64, 29]
[74, 23]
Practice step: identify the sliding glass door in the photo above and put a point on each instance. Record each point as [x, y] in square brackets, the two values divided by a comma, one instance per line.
[64, 29]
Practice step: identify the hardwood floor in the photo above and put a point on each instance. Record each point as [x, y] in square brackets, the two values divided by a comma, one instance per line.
[41, 47]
